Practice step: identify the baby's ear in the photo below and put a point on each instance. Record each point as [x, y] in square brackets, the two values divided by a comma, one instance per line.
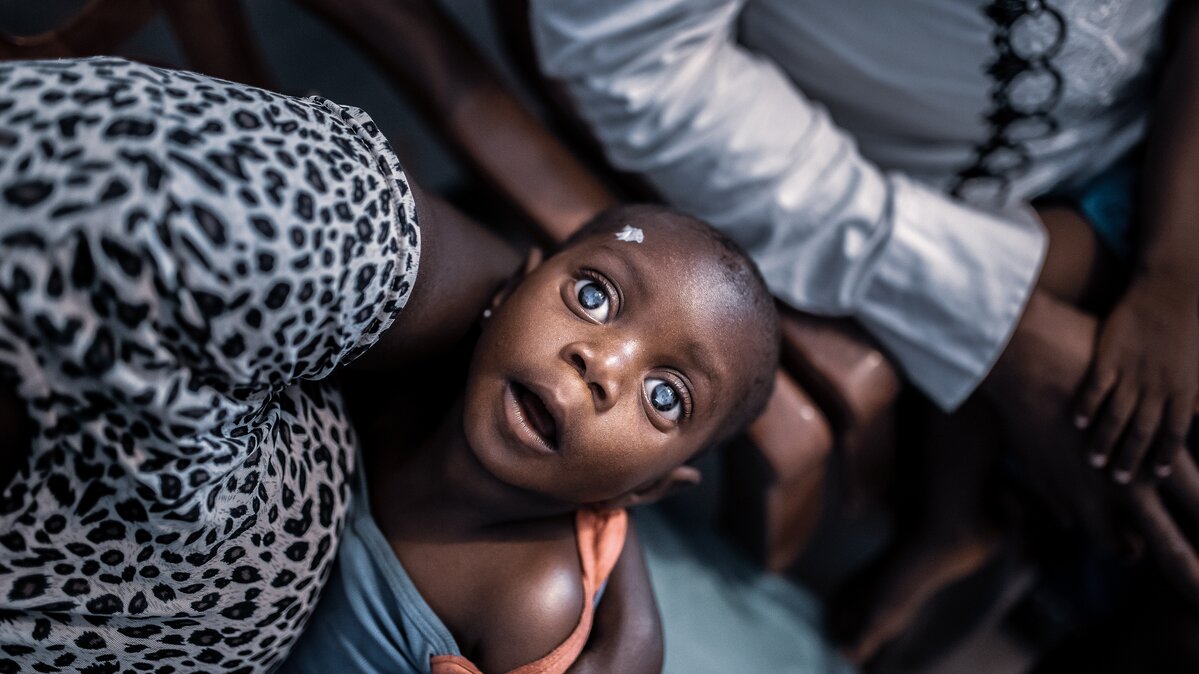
[656, 490]
[532, 261]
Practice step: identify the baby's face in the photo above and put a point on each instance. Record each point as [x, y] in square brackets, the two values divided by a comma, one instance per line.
[610, 364]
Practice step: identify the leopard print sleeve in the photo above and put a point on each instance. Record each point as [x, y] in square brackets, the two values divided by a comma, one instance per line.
[191, 245]
[182, 261]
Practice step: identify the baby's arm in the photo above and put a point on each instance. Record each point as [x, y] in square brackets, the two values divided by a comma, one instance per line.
[627, 634]
[1139, 396]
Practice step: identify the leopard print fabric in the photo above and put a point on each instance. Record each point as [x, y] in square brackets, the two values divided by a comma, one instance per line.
[182, 260]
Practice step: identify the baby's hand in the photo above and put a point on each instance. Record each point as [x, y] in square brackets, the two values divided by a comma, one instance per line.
[1139, 394]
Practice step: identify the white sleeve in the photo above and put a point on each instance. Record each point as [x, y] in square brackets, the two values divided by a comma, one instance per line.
[723, 134]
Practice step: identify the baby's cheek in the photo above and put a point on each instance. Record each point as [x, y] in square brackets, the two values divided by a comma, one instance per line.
[633, 462]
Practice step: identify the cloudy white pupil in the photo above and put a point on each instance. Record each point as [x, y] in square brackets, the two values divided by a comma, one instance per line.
[591, 296]
[664, 398]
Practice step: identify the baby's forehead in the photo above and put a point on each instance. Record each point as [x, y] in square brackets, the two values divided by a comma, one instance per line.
[685, 288]
[654, 241]
[689, 292]
[667, 259]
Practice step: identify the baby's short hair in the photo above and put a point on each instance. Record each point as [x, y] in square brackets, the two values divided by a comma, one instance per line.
[740, 272]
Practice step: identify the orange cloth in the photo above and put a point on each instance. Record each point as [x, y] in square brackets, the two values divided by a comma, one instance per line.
[601, 537]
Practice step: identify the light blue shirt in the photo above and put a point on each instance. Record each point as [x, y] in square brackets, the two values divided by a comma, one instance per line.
[371, 618]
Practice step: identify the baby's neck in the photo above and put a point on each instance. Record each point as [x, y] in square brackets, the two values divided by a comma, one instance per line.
[439, 485]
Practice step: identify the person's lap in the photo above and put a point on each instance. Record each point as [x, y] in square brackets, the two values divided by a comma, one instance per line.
[1089, 232]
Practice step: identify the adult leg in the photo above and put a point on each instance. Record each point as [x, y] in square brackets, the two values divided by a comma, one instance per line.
[949, 528]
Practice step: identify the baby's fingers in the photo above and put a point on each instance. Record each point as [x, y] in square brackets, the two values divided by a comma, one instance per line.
[1139, 433]
[1171, 438]
[1119, 409]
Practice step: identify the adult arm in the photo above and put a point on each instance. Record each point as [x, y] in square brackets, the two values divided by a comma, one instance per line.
[1045, 363]
[194, 273]
[463, 265]
[725, 135]
[1139, 397]
[627, 633]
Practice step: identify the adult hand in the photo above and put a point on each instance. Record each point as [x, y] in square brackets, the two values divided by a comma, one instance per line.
[1164, 540]
[1139, 394]
[627, 633]
[1032, 386]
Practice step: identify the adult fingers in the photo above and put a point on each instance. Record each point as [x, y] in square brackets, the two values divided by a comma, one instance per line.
[1183, 485]
[1140, 431]
[1166, 543]
[1171, 437]
[1088, 497]
[1120, 406]
[1099, 382]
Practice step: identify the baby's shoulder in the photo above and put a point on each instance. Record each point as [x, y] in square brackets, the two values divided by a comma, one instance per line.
[545, 580]
[533, 606]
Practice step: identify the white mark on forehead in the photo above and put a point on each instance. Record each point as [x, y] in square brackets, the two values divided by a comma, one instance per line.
[631, 233]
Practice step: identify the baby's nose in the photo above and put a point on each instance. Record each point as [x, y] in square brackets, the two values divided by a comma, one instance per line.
[604, 367]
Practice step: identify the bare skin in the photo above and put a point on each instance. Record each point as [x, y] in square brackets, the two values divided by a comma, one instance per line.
[1125, 411]
[498, 559]
[1098, 384]
[462, 267]
[498, 565]
[481, 511]
[481, 576]
[1140, 391]
[1129, 380]
[628, 617]
[945, 531]
[954, 536]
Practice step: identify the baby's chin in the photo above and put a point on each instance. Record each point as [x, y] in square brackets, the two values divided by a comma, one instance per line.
[496, 454]
[547, 479]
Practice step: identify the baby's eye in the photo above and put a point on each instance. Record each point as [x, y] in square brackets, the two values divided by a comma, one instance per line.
[664, 398]
[593, 298]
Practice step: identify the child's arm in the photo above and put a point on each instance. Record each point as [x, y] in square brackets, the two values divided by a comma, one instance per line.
[1139, 396]
[627, 634]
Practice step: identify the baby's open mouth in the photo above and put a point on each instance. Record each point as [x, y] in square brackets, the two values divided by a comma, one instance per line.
[536, 415]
